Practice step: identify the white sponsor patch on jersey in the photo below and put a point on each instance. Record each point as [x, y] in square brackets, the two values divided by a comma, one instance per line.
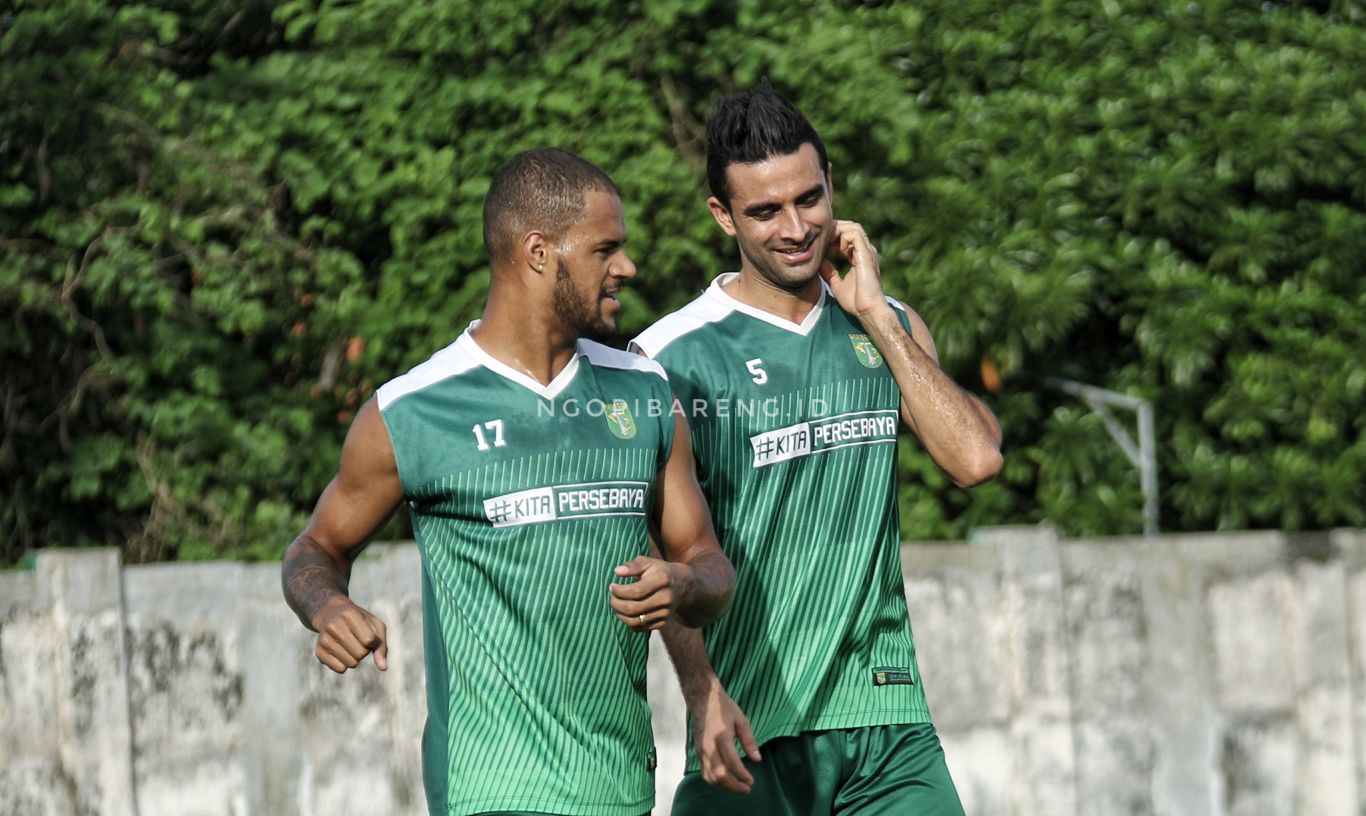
[563, 502]
[821, 435]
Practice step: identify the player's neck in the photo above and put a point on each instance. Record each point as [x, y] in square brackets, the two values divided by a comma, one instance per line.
[524, 339]
[753, 289]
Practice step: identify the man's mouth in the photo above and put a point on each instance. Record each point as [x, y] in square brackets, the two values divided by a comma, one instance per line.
[800, 254]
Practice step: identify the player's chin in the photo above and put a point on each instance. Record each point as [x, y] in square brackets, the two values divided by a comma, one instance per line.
[601, 330]
[795, 277]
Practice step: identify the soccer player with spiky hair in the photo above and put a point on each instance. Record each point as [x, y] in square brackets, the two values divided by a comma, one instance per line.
[794, 377]
[536, 465]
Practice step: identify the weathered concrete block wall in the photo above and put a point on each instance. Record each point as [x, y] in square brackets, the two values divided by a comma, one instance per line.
[1185, 675]
[65, 733]
[1212, 674]
[191, 690]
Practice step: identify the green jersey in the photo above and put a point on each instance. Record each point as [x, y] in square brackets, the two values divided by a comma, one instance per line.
[523, 498]
[794, 429]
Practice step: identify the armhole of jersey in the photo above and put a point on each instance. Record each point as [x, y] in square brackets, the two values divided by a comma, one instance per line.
[666, 418]
[902, 313]
[666, 429]
[451, 361]
[393, 446]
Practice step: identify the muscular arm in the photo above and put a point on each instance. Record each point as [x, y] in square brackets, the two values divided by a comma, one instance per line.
[686, 538]
[693, 582]
[317, 565]
[956, 428]
[959, 431]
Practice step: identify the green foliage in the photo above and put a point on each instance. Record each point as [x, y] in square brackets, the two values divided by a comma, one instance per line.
[222, 225]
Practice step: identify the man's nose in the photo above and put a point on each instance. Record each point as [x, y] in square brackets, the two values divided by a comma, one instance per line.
[791, 227]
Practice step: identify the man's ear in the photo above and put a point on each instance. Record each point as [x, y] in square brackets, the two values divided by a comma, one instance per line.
[537, 250]
[721, 213]
[830, 180]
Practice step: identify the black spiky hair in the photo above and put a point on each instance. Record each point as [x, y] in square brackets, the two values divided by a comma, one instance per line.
[752, 126]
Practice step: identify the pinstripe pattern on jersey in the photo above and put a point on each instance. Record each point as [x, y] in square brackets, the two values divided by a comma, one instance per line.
[527, 609]
[819, 602]
[536, 692]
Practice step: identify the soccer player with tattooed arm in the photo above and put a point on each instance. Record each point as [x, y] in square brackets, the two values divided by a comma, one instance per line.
[536, 470]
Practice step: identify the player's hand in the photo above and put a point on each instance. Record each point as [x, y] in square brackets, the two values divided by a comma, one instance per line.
[346, 634]
[858, 291]
[717, 722]
[645, 604]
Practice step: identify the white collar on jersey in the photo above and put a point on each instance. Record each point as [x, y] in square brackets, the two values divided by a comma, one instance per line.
[804, 328]
[507, 372]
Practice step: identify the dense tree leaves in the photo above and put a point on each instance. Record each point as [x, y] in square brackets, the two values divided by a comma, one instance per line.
[222, 225]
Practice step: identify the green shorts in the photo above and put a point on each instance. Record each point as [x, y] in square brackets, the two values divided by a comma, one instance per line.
[881, 770]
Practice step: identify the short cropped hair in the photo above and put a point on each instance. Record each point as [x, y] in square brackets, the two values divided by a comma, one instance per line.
[541, 189]
[750, 127]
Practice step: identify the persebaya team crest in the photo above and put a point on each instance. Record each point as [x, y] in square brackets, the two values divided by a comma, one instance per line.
[866, 352]
[619, 419]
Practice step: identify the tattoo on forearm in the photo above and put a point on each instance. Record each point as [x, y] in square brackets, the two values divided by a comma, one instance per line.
[311, 578]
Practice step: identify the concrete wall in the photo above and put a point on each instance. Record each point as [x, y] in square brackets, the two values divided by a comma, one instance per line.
[1185, 675]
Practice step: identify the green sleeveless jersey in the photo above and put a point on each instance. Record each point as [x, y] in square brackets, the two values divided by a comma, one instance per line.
[794, 430]
[523, 498]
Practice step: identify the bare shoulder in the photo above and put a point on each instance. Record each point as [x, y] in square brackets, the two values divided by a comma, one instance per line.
[368, 451]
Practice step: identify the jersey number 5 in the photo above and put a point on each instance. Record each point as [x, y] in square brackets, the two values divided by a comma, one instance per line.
[495, 427]
[756, 373]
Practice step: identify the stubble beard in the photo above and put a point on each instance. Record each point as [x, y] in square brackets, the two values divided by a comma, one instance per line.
[573, 310]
